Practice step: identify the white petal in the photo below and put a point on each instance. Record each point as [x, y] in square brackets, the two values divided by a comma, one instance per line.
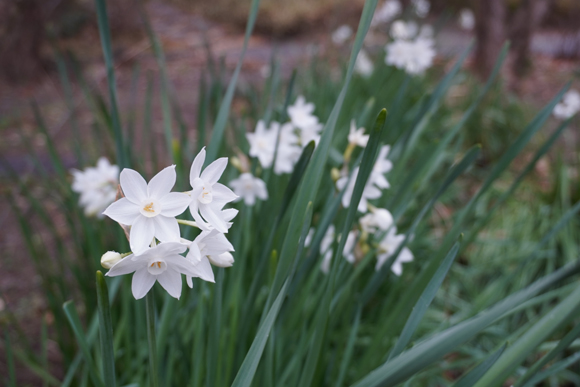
[397, 268]
[212, 218]
[203, 270]
[171, 281]
[142, 233]
[250, 199]
[212, 173]
[223, 193]
[194, 210]
[125, 266]
[196, 166]
[166, 228]
[169, 248]
[162, 183]
[405, 255]
[174, 203]
[133, 185]
[123, 211]
[223, 260]
[142, 283]
[229, 214]
[260, 189]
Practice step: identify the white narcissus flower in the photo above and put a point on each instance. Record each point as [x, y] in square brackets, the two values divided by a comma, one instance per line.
[262, 144]
[403, 30]
[387, 12]
[569, 105]
[249, 188]
[207, 195]
[150, 209]
[97, 186]
[413, 56]
[363, 64]
[341, 34]
[382, 165]
[388, 246]
[160, 263]
[378, 218]
[466, 19]
[302, 117]
[208, 248]
[357, 136]
[422, 7]
[325, 249]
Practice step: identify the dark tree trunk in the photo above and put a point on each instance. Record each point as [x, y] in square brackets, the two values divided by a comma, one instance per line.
[526, 20]
[490, 33]
[21, 36]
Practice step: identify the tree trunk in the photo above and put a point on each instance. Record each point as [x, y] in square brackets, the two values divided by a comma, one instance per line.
[490, 33]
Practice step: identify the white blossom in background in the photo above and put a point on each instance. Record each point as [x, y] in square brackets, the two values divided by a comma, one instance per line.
[326, 244]
[248, 187]
[262, 144]
[414, 56]
[363, 64]
[426, 31]
[302, 117]
[386, 12]
[466, 19]
[150, 209]
[377, 219]
[569, 105]
[369, 192]
[341, 34]
[162, 263]
[207, 195]
[388, 246]
[401, 29]
[97, 186]
[422, 7]
[357, 136]
[382, 165]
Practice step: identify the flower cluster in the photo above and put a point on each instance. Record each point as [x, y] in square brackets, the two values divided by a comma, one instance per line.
[97, 186]
[285, 141]
[148, 213]
[376, 227]
[466, 19]
[569, 105]
[412, 48]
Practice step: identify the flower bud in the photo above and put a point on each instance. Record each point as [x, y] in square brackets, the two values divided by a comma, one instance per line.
[334, 174]
[222, 260]
[110, 258]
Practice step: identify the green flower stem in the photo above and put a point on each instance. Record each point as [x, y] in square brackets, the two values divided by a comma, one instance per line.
[150, 307]
[187, 223]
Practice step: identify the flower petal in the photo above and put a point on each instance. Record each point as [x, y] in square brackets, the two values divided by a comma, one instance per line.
[212, 218]
[123, 211]
[171, 281]
[142, 233]
[203, 270]
[174, 203]
[222, 193]
[212, 173]
[124, 266]
[166, 228]
[142, 283]
[162, 183]
[196, 166]
[133, 185]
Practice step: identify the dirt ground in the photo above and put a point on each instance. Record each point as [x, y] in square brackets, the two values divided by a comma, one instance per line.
[182, 35]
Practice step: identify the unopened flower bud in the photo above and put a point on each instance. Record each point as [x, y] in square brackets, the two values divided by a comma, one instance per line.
[110, 258]
[334, 174]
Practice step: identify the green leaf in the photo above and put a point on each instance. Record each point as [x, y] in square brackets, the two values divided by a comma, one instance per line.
[471, 377]
[423, 303]
[106, 331]
[559, 366]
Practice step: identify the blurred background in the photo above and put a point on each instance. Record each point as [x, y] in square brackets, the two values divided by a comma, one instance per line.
[43, 42]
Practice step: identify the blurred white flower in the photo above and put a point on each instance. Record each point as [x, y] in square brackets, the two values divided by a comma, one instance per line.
[466, 19]
[422, 7]
[97, 186]
[404, 30]
[413, 56]
[363, 64]
[357, 136]
[326, 244]
[341, 34]
[388, 246]
[302, 117]
[207, 195]
[369, 192]
[262, 144]
[249, 188]
[150, 209]
[382, 165]
[569, 105]
[386, 12]
[378, 218]
[160, 263]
